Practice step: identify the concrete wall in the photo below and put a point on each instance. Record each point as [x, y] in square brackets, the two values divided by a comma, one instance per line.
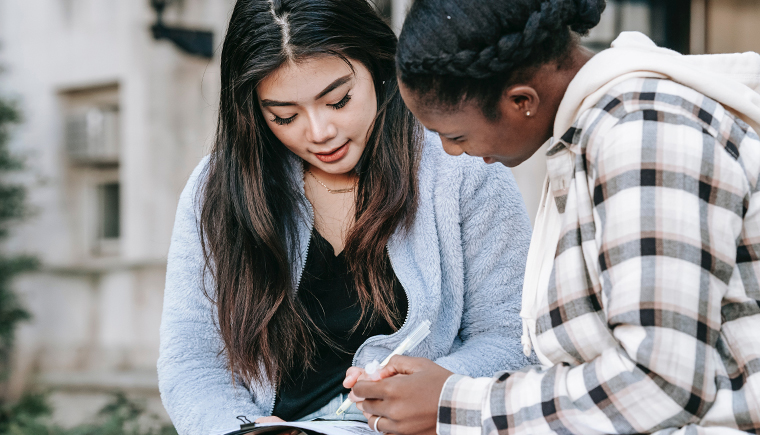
[96, 313]
[733, 26]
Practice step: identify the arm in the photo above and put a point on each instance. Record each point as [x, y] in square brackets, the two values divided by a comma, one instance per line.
[495, 234]
[666, 237]
[662, 307]
[196, 387]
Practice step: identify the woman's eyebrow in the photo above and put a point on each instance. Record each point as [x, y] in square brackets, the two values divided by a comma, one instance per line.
[333, 85]
[338, 82]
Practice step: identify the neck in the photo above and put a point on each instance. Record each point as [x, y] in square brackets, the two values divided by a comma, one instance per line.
[338, 180]
[558, 77]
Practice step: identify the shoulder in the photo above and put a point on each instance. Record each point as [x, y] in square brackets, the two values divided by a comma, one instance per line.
[198, 177]
[189, 200]
[660, 114]
[640, 100]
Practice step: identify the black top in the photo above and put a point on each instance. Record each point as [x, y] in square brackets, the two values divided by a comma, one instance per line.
[327, 292]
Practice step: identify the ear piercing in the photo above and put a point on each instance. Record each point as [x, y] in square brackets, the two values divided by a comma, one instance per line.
[527, 113]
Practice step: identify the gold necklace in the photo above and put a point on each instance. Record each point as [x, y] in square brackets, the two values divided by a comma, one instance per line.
[347, 190]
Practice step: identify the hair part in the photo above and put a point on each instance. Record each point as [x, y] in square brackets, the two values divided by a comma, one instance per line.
[282, 21]
[482, 48]
[252, 204]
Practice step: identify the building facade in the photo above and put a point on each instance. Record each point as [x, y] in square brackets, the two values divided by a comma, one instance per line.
[115, 121]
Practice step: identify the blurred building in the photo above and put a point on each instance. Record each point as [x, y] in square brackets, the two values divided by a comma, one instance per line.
[115, 121]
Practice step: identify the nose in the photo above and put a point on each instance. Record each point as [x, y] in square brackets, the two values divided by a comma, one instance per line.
[450, 148]
[321, 129]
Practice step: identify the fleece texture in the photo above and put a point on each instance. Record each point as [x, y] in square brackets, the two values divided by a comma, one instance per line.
[461, 265]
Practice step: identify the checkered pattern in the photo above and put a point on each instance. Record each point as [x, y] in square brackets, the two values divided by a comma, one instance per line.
[652, 316]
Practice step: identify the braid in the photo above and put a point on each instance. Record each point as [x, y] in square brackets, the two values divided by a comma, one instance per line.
[588, 14]
[511, 49]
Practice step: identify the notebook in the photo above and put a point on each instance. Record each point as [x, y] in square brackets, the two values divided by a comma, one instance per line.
[324, 427]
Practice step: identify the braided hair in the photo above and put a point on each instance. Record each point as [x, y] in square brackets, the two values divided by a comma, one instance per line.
[452, 50]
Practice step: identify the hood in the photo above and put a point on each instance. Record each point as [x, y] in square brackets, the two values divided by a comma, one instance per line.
[733, 80]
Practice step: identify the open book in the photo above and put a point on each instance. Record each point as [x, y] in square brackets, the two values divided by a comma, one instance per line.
[324, 427]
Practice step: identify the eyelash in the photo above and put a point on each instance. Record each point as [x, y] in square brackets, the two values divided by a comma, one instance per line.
[339, 105]
[342, 103]
[283, 121]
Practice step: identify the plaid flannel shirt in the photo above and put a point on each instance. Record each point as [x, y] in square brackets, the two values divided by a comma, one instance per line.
[652, 316]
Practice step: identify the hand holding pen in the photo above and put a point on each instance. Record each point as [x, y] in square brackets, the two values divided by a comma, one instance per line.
[373, 369]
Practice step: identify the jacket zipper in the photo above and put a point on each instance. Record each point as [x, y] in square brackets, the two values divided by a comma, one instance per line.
[298, 282]
[406, 319]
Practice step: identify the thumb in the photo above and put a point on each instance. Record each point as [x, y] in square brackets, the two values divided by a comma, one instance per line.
[402, 365]
[352, 375]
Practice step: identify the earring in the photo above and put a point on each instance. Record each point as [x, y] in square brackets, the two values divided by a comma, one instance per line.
[527, 113]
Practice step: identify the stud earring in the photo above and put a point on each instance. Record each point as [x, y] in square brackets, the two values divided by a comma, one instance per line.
[527, 113]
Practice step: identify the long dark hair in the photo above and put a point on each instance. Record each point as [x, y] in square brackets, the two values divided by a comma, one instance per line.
[252, 203]
[452, 51]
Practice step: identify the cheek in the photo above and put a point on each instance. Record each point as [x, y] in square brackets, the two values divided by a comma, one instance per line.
[355, 122]
[288, 135]
[368, 117]
[365, 110]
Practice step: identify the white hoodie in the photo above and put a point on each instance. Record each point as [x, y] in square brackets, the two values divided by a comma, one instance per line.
[733, 80]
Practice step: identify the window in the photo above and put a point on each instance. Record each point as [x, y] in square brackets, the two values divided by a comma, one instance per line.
[108, 211]
[667, 22]
[91, 142]
[92, 134]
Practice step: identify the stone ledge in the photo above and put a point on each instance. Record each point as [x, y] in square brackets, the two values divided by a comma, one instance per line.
[128, 381]
[101, 265]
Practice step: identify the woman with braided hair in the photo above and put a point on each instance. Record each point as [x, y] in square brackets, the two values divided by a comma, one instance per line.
[641, 296]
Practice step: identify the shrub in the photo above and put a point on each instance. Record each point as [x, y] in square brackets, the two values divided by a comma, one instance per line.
[121, 416]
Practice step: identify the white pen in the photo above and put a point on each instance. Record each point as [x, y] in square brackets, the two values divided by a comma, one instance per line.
[408, 344]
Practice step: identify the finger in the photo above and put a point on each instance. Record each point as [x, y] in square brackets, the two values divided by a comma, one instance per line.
[402, 365]
[370, 389]
[355, 398]
[381, 424]
[352, 375]
[375, 407]
[365, 377]
[375, 424]
[270, 419]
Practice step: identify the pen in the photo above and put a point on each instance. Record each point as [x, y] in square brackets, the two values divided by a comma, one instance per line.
[408, 344]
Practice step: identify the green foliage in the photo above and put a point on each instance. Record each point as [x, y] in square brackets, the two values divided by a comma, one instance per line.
[121, 416]
[12, 208]
[24, 417]
[9, 116]
[32, 414]
[11, 311]
[12, 196]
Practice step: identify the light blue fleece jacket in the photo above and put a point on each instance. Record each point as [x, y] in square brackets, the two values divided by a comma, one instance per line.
[461, 265]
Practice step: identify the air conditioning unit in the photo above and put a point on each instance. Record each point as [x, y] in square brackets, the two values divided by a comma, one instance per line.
[92, 135]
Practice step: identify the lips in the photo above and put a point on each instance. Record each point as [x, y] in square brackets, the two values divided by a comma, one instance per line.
[333, 155]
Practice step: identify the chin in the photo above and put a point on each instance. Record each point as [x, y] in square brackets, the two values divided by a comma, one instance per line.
[512, 162]
[343, 166]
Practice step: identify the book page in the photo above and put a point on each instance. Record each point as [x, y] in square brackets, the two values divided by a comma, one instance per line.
[334, 427]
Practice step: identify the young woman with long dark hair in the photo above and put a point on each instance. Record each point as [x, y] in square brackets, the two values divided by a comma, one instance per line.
[324, 226]
[641, 294]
